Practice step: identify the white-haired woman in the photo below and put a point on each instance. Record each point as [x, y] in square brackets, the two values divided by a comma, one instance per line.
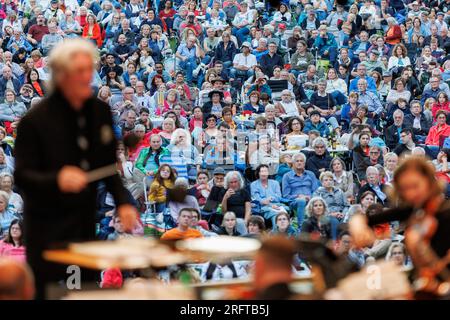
[237, 199]
[318, 222]
[5, 163]
[6, 214]
[70, 26]
[182, 155]
[6, 184]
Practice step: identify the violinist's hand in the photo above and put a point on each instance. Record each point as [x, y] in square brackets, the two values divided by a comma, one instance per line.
[362, 235]
[128, 216]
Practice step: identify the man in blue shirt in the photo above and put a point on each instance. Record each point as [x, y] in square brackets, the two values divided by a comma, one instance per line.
[188, 53]
[298, 186]
[362, 74]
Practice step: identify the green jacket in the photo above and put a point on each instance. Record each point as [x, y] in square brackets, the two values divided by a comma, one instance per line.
[143, 155]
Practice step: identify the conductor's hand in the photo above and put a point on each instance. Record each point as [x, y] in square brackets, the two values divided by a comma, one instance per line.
[72, 179]
[362, 235]
[128, 216]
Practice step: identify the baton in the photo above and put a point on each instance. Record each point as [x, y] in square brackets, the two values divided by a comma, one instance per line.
[101, 173]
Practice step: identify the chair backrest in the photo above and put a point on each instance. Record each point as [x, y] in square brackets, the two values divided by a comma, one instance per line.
[277, 85]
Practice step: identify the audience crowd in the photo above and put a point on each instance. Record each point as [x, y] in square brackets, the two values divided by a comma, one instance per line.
[251, 119]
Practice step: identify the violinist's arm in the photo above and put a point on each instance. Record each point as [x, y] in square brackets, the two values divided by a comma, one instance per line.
[396, 214]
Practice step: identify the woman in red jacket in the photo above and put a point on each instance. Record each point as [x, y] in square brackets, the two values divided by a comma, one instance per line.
[441, 129]
[394, 33]
[442, 103]
[92, 30]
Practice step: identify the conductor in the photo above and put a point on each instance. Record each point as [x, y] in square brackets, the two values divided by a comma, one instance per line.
[59, 141]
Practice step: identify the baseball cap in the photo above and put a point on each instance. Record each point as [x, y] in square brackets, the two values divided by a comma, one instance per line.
[218, 171]
[246, 44]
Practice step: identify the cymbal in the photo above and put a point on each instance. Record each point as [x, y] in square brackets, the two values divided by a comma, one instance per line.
[219, 249]
[132, 253]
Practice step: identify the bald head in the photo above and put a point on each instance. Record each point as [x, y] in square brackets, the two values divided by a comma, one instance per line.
[16, 280]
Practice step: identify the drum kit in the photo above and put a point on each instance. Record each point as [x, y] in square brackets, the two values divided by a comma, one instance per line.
[378, 281]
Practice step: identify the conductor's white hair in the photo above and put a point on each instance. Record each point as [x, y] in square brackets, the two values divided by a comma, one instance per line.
[62, 54]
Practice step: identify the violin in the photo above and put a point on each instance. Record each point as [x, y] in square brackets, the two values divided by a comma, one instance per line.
[433, 276]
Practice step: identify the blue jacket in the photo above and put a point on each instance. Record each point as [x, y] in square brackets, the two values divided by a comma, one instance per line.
[322, 127]
[259, 193]
[225, 55]
[294, 185]
[325, 44]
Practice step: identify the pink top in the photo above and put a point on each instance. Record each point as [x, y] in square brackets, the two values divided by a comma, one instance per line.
[8, 250]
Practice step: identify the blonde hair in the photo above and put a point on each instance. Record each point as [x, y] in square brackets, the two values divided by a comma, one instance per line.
[310, 205]
[326, 174]
[5, 196]
[227, 215]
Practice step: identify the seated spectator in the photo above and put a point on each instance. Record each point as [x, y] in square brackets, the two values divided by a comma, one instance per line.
[256, 227]
[393, 132]
[320, 159]
[406, 144]
[417, 121]
[50, 40]
[236, 198]
[369, 99]
[6, 214]
[343, 179]
[183, 230]
[431, 92]
[283, 226]
[92, 30]
[119, 231]
[271, 59]
[229, 224]
[441, 129]
[397, 253]
[314, 123]
[11, 110]
[182, 156]
[334, 197]
[253, 106]
[390, 164]
[164, 180]
[373, 185]
[13, 245]
[298, 185]
[243, 63]
[201, 189]
[398, 91]
[315, 225]
[324, 103]
[200, 225]
[266, 194]
[15, 200]
[442, 103]
[8, 81]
